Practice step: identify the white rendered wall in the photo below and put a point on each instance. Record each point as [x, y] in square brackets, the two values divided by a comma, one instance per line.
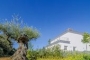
[75, 41]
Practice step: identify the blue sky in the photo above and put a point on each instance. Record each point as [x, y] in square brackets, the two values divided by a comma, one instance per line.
[50, 17]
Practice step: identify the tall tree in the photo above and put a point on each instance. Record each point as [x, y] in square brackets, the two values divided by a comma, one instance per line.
[20, 33]
[86, 39]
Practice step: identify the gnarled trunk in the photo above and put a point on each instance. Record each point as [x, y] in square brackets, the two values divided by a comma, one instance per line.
[20, 54]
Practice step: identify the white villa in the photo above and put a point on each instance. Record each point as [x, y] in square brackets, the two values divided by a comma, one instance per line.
[70, 40]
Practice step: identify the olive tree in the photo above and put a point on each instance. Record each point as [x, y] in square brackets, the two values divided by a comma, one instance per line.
[18, 31]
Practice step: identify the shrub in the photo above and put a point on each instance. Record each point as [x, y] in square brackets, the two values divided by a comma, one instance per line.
[31, 55]
[86, 57]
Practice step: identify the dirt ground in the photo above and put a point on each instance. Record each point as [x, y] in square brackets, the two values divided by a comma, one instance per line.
[4, 58]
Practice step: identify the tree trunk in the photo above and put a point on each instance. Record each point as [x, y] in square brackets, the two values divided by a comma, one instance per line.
[20, 54]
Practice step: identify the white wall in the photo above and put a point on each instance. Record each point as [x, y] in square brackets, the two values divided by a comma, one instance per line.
[75, 41]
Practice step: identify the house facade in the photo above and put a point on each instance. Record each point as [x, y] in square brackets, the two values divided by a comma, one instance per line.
[70, 40]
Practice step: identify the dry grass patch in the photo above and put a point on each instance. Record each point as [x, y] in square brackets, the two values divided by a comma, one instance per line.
[5, 58]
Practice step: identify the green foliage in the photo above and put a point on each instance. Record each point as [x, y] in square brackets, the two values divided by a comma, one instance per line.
[74, 56]
[56, 51]
[86, 57]
[1, 51]
[86, 38]
[45, 53]
[14, 29]
[31, 55]
[56, 54]
[5, 47]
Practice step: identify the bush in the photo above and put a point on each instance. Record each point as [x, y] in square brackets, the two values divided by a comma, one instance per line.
[86, 57]
[31, 55]
[44, 53]
[56, 54]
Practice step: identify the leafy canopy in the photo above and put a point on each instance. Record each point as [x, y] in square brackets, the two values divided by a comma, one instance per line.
[13, 29]
[86, 38]
[5, 47]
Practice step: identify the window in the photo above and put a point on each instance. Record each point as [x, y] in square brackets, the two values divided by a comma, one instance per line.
[74, 48]
[65, 47]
